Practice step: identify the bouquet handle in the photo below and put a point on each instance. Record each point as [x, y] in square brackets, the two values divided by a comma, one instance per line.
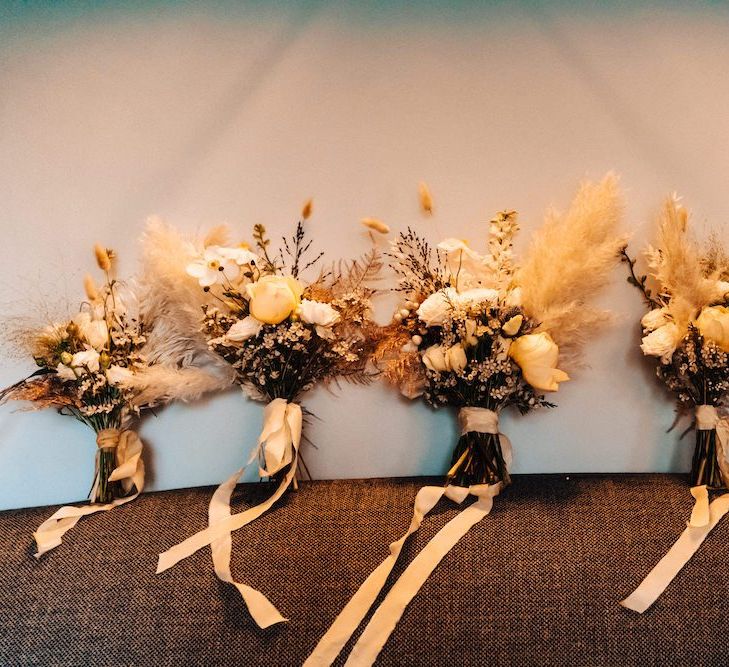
[129, 471]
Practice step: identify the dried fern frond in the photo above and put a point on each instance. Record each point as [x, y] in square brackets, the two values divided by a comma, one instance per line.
[569, 262]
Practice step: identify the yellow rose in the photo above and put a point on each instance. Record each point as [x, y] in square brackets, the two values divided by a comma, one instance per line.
[273, 298]
[536, 355]
[713, 324]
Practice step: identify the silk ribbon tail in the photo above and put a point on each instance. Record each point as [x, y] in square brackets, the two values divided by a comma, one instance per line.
[388, 614]
[348, 620]
[678, 555]
[259, 607]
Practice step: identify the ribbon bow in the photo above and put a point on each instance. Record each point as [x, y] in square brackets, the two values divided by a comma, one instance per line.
[277, 447]
[129, 470]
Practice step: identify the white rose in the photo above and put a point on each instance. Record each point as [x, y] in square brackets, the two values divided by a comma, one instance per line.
[244, 329]
[315, 312]
[65, 373]
[477, 295]
[662, 342]
[86, 359]
[434, 358]
[654, 319]
[434, 310]
[713, 324]
[96, 333]
[118, 375]
[537, 356]
[274, 298]
[455, 358]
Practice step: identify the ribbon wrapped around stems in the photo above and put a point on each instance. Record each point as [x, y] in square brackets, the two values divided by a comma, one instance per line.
[129, 471]
[278, 447]
[384, 620]
[704, 517]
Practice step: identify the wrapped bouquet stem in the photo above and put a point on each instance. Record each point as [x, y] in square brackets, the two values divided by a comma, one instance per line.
[103, 367]
[280, 336]
[687, 329]
[479, 333]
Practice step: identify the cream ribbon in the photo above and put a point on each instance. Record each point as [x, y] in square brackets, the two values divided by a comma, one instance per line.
[384, 620]
[129, 471]
[278, 445]
[678, 555]
[704, 516]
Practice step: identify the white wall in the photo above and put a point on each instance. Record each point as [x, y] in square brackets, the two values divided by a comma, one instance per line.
[240, 114]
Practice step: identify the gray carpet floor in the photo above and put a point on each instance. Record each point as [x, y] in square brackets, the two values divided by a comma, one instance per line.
[535, 583]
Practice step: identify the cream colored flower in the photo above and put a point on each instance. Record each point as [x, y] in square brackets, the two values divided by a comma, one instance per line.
[662, 342]
[513, 297]
[243, 329]
[434, 358]
[97, 334]
[86, 359]
[654, 319]
[471, 338]
[721, 289]
[537, 356]
[434, 310]
[118, 375]
[274, 298]
[65, 373]
[477, 295]
[240, 255]
[467, 268]
[439, 358]
[455, 358]
[315, 312]
[511, 328]
[211, 266]
[713, 324]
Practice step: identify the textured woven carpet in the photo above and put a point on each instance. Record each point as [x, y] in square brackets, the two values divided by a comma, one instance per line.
[536, 583]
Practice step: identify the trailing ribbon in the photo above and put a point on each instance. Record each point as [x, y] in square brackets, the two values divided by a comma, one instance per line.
[129, 470]
[678, 555]
[277, 447]
[384, 620]
[704, 517]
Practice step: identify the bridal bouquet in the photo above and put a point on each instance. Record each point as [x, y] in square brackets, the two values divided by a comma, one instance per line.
[101, 368]
[686, 328]
[281, 335]
[478, 332]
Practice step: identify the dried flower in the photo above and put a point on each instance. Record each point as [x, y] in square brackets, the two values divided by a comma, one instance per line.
[375, 225]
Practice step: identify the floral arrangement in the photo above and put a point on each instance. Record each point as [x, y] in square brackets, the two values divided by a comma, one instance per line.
[280, 335]
[687, 329]
[101, 368]
[479, 332]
